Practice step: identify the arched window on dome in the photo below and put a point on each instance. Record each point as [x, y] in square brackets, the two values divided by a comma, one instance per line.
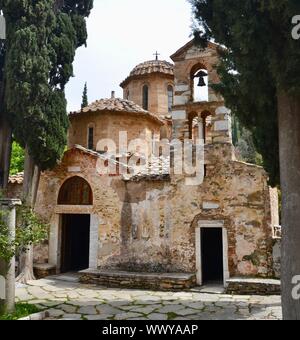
[170, 97]
[146, 97]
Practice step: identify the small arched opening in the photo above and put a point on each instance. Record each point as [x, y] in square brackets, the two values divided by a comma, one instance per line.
[91, 136]
[75, 191]
[146, 97]
[170, 98]
[199, 83]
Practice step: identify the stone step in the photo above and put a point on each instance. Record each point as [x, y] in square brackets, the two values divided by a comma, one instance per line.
[252, 286]
[152, 281]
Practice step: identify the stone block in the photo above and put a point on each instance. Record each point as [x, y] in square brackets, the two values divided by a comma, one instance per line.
[222, 110]
[210, 205]
[181, 88]
[180, 100]
[179, 115]
[221, 125]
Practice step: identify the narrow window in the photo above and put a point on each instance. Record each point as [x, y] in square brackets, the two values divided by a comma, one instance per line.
[91, 138]
[145, 97]
[170, 98]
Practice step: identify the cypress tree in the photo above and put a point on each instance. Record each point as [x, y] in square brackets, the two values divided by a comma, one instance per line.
[85, 101]
[264, 92]
[42, 37]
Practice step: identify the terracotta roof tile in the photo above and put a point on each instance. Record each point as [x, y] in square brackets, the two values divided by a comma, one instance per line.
[148, 67]
[117, 105]
[16, 179]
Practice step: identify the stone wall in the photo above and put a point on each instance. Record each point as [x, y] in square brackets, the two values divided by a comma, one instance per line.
[159, 282]
[249, 286]
[158, 92]
[108, 125]
[150, 225]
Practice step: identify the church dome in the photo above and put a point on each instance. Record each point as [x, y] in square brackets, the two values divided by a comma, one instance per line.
[149, 67]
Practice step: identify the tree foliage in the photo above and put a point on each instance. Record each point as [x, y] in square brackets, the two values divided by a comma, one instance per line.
[30, 230]
[42, 37]
[17, 159]
[261, 58]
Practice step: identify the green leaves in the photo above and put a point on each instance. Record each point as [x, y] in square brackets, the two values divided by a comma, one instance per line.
[261, 50]
[30, 230]
[17, 159]
[41, 42]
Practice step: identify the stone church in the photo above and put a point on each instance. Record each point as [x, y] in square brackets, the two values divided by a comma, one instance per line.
[150, 229]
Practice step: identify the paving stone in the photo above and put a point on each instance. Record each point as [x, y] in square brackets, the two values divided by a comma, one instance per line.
[91, 303]
[157, 316]
[55, 313]
[146, 310]
[68, 309]
[126, 316]
[106, 309]
[195, 305]
[98, 317]
[171, 309]
[185, 312]
[87, 310]
[71, 317]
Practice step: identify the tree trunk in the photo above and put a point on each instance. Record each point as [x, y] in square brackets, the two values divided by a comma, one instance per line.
[5, 144]
[289, 144]
[30, 188]
[7, 269]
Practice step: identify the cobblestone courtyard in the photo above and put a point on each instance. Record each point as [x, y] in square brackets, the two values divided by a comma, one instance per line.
[72, 301]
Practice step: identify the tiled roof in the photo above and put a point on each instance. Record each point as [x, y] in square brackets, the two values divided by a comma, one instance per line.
[16, 179]
[116, 105]
[157, 169]
[148, 67]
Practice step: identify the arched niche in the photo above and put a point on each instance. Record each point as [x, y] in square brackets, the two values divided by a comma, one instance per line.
[75, 191]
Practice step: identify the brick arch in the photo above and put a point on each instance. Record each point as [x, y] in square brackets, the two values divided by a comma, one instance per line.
[75, 191]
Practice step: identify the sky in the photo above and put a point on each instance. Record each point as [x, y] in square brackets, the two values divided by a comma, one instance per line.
[122, 34]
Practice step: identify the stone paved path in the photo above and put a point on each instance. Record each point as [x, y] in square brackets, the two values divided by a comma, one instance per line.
[72, 301]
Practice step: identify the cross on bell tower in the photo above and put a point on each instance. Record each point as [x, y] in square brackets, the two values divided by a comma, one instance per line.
[156, 54]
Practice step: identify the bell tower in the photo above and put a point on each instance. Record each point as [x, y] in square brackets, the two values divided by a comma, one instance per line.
[198, 111]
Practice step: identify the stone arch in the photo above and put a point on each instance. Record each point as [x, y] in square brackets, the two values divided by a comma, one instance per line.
[199, 93]
[75, 191]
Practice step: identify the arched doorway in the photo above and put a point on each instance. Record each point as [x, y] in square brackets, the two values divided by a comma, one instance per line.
[75, 227]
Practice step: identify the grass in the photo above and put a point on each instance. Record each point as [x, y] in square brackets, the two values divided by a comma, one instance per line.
[22, 310]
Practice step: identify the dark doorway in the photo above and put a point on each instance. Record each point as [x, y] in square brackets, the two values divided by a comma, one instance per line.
[75, 242]
[212, 255]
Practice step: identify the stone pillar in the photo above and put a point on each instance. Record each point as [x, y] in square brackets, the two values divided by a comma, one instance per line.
[8, 206]
[222, 126]
[180, 129]
[201, 128]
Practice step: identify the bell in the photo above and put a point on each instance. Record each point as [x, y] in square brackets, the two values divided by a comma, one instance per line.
[201, 74]
[201, 82]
